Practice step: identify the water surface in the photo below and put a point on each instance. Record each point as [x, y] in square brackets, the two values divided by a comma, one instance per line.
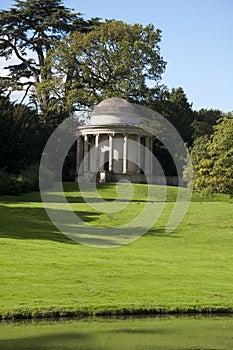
[117, 333]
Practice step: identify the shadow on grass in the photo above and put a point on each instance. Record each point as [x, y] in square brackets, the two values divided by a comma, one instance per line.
[20, 221]
[56, 198]
[33, 223]
[161, 232]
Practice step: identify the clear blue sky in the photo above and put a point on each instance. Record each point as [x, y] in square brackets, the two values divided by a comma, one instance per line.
[197, 42]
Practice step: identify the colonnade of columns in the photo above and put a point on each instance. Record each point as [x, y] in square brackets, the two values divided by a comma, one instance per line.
[142, 155]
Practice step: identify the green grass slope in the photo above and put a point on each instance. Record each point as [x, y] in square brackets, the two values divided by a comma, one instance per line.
[43, 273]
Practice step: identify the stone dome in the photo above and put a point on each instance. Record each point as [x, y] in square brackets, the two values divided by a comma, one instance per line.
[115, 110]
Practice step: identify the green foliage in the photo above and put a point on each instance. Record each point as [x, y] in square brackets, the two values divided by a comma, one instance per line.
[30, 30]
[174, 106]
[14, 185]
[180, 114]
[212, 159]
[22, 136]
[31, 176]
[193, 170]
[8, 184]
[115, 59]
[27, 181]
[220, 149]
[204, 122]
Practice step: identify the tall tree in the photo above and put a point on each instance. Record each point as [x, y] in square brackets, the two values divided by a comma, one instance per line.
[204, 121]
[174, 106]
[196, 170]
[213, 159]
[179, 112]
[220, 149]
[28, 32]
[22, 136]
[115, 59]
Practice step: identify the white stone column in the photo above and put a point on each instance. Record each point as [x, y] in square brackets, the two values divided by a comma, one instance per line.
[151, 156]
[139, 149]
[110, 142]
[125, 154]
[78, 154]
[97, 156]
[91, 156]
[147, 155]
[86, 155]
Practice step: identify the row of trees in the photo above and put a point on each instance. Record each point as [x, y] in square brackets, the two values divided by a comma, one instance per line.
[64, 64]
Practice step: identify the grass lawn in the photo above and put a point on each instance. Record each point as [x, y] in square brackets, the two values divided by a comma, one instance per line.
[45, 273]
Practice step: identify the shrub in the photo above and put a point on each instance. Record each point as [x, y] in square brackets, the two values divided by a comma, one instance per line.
[9, 184]
[30, 178]
[27, 181]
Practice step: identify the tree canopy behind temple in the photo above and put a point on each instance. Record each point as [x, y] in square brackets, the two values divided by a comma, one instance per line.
[114, 59]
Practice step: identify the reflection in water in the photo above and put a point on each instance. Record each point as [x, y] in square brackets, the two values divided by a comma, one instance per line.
[116, 333]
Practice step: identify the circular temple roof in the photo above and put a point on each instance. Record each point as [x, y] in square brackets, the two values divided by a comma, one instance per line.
[115, 110]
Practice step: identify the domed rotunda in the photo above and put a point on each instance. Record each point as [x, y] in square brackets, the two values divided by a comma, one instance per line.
[113, 146]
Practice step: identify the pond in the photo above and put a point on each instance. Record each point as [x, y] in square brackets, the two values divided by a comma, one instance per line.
[192, 332]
